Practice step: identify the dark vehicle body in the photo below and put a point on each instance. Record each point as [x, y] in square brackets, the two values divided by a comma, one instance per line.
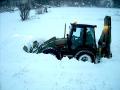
[80, 43]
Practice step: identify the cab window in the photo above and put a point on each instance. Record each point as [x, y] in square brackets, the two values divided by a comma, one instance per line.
[77, 37]
[90, 36]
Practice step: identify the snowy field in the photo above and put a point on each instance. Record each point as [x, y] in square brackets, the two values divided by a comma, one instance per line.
[23, 71]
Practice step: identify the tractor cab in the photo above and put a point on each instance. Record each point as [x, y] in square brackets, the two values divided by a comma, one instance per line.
[82, 36]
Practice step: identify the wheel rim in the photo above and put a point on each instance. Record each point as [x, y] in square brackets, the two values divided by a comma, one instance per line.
[85, 57]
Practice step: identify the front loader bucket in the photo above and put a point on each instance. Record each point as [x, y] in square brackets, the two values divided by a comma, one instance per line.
[31, 48]
[39, 46]
[104, 42]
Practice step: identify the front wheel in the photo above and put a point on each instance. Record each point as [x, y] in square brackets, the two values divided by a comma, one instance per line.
[85, 55]
[53, 52]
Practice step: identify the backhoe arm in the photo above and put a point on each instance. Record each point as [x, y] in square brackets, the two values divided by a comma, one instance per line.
[104, 42]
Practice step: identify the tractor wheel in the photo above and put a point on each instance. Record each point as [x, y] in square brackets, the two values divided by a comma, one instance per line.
[70, 57]
[85, 55]
[53, 52]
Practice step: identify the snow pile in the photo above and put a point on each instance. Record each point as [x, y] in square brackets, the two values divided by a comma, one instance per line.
[23, 71]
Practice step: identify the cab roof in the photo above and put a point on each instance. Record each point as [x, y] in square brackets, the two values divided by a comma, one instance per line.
[83, 25]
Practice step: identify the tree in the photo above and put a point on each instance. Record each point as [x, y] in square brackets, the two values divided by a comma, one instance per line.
[24, 8]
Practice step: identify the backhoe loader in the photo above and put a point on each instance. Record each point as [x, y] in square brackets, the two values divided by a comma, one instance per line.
[80, 43]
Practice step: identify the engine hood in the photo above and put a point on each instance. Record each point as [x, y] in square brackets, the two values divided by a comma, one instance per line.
[60, 41]
[52, 43]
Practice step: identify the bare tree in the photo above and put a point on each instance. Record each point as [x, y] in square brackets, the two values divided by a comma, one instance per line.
[24, 8]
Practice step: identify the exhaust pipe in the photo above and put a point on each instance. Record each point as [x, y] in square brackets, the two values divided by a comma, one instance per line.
[65, 31]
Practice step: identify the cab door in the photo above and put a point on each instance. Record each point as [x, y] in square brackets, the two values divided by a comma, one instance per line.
[77, 38]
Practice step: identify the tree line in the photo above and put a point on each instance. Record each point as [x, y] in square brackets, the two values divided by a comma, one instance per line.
[58, 3]
[41, 6]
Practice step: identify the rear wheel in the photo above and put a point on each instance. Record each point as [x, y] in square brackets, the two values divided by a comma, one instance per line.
[85, 55]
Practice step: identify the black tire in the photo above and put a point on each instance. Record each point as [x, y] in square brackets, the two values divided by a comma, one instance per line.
[70, 57]
[53, 52]
[85, 54]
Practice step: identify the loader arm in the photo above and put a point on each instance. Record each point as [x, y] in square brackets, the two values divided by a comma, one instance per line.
[104, 42]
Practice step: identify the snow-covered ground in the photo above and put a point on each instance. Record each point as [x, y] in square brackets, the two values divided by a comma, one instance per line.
[24, 71]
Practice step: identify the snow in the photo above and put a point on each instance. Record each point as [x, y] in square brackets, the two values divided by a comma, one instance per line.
[24, 71]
